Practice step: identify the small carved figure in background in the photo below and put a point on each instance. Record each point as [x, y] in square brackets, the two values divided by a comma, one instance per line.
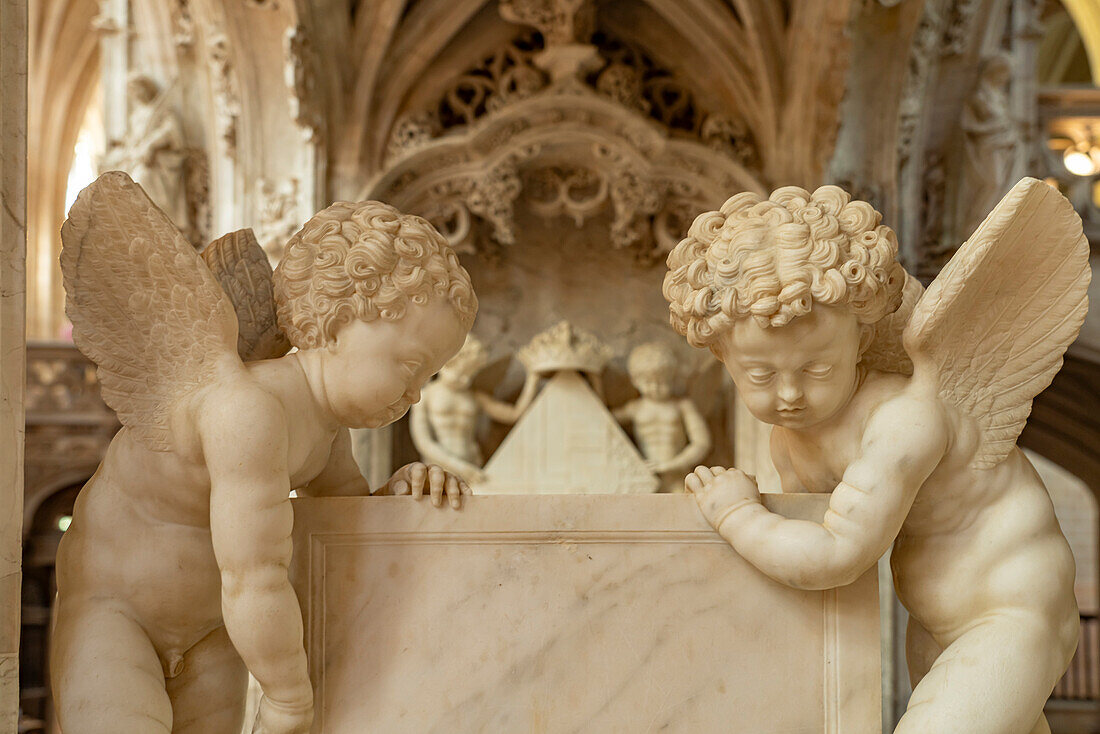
[444, 423]
[670, 431]
[154, 151]
[172, 579]
[907, 411]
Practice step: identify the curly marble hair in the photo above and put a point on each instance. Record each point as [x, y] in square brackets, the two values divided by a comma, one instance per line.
[773, 259]
[364, 261]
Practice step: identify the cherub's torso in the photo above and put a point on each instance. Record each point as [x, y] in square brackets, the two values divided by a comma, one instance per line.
[659, 428]
[141, 526]
[453, 416]
[970, 535]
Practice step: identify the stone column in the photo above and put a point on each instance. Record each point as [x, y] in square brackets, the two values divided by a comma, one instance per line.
[13, 169]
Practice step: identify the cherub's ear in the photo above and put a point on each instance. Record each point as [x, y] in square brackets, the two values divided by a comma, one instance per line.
[866, 337]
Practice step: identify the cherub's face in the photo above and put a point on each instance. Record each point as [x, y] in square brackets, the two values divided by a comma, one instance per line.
[653, 384]
[797, 375]
[374, 370]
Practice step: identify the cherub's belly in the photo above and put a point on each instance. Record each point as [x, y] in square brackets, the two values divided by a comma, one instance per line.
[164, 574]
[1011, 555]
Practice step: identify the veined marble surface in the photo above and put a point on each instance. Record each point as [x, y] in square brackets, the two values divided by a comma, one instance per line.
[594, 614]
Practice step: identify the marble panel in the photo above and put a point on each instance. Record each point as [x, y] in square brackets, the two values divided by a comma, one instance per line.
[571, 614]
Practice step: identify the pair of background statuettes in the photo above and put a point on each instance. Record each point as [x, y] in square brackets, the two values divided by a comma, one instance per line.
[172, 578]
[670, 433]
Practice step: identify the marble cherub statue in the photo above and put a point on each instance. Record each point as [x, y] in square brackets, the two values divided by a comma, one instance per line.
[172, 579]
[908, 411]
[670, 432]
[154, 149]
[444, 423]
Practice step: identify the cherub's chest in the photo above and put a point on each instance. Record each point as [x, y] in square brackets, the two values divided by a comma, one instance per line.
[816, 461]
[307, 456]
[652, 413]
[446, 403]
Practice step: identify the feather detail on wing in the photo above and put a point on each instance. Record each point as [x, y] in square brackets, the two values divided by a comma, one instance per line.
[992, 328]
[144, 308]
[242, 268]
[886, 352]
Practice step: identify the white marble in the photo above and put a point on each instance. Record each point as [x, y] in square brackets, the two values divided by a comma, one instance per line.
[13, 165]
[567, 443]
[906, 407]
[172, 578]
[567, 614]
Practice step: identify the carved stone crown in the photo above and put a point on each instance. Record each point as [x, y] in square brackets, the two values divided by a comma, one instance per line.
[565, 347]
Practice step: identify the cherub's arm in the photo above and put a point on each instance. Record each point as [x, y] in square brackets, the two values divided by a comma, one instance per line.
[341, 476]
[431, 452]
[902, 444]
[698, 436]
[503, 412]
[244, 442]
[625, 413]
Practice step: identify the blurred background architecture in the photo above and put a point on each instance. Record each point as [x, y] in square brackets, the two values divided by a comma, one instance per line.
[563, 146]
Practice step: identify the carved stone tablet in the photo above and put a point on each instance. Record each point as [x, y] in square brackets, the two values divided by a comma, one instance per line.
[567, 614]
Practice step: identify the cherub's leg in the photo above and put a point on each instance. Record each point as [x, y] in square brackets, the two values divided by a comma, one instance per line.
[208, 695]
[921, 650]
[993, 679]
[106, 676]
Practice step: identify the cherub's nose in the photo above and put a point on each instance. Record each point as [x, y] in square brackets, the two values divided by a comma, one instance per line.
[789, 392]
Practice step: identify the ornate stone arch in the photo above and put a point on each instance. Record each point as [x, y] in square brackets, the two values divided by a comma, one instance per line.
[568, 151]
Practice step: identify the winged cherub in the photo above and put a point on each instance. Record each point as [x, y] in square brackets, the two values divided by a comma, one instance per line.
[172, 579]
[907, 411]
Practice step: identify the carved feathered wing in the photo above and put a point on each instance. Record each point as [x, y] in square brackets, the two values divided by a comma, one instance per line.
[144, 307]
[242, 269]
[887, 353]
[994, 325]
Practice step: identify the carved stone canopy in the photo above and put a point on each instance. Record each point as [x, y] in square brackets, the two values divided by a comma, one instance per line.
[566, 151]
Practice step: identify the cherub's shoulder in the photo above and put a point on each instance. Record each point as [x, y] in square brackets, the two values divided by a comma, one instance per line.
[238, 403]
[890, 398]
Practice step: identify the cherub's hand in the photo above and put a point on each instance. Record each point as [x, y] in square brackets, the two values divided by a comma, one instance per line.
[275, 718]
[721, 491]
[411, 479]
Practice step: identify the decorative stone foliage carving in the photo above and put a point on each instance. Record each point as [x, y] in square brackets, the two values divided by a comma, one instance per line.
[227, 98]
[300, 74]
[560, 21]
[624, 135]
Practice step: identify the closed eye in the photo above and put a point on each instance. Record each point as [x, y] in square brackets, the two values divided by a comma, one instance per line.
[760, 377]
[819, 370]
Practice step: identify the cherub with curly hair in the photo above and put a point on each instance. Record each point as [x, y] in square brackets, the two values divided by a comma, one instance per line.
[172, 578]
[906, 407]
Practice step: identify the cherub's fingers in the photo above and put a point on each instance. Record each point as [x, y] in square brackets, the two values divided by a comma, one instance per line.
[400, 487]
[716, 470]
[463, 487]
[706, 476]
[418, 474]
[692, 483]
[436, 479]
[454, 494]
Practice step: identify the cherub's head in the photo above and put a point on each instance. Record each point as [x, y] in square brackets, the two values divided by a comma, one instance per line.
[786, 292]
[382, 298]
[461, 370]
[652, 368]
